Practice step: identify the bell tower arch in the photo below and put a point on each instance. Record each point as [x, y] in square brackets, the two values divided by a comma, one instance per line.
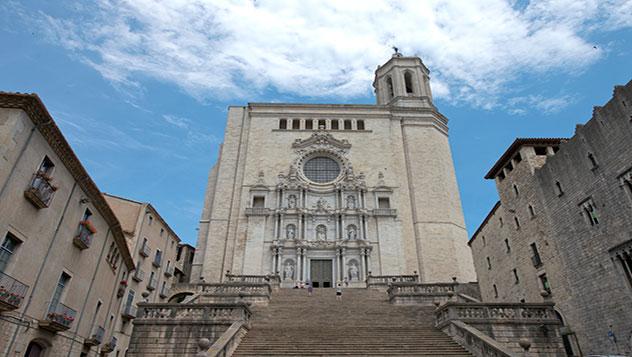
[403, 81]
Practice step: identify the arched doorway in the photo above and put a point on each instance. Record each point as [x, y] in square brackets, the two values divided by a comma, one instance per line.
[35, 349]
[568, 345]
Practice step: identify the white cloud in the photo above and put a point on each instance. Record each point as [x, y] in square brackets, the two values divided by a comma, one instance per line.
[180, 122]
[476, 50]
[547, 105]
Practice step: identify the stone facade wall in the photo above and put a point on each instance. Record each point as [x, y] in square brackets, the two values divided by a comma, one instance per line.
[587, 283]
[403, 146]
[46, 238]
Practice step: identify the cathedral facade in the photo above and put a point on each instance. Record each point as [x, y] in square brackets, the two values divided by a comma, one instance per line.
[331, 193]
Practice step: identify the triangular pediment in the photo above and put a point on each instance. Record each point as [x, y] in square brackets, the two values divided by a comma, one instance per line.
[321, 138]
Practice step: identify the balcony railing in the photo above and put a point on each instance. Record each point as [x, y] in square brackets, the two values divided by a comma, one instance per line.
[110, 346]
[40, 192]
[144, 250]
[385, 212]
[83, 239]
[139, 275]
[129, 312]
[58, 318]
[169, 271]
[157, 261]
[152, 283]
[12, 292]
[164, 292]
[257, 211]
[96, 338]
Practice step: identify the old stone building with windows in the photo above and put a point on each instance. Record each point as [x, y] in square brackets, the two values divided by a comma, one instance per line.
[63, 255]
[335, 192]
[153, 245]
[561, 231]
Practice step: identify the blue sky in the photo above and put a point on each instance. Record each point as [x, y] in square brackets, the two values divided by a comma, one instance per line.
[140, 88]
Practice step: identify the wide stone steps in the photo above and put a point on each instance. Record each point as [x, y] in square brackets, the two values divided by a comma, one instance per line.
[364, 323]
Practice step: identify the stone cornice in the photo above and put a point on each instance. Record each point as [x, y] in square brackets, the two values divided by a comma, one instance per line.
[32, 105]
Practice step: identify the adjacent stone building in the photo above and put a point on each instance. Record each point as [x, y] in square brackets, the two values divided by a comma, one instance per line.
[335, 192]
[184, 261]
[154, 248]
[562, 230]
[63, 255]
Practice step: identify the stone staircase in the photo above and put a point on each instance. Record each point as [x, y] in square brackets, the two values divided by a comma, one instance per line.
[364, 323]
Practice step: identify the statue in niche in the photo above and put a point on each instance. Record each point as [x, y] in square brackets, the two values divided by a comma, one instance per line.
[288, 272]
[352, 233]
[351, 202]
[321, 204]
[354, 273]
[291, 231]
[291, 201]
[321, 232]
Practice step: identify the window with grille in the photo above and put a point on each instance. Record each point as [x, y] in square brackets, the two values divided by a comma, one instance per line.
[321, 169]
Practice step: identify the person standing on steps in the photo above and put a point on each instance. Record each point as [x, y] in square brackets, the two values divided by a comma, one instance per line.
[339, 292]
[310, 288]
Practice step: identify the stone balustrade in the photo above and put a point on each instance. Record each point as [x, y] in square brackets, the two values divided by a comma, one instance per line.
[386, 280]
[421, 293]
[500, 329]
[173, 312]
[228, 342]
[257, 211]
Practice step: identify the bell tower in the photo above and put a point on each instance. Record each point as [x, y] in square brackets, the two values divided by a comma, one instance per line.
[403, 81]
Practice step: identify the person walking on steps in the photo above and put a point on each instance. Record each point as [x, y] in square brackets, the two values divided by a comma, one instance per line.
[310, 288]
[339, 292]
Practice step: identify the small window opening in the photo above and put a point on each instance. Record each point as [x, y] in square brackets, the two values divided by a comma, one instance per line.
[590, 212]
[500, 220]
[151, 220]
[347, 124]
[516, 278]
[162, 231]
[334, 125]
[558, 188]
[309, 124]
[507, 245]
[484, 241]
[258, 202]
[495, 291]
[408, 80]
[296, 124]
[501, 176]
[7, 250]
[47, 166]
[518, 157]
[540, 150]
[383, 202]
[86, 215]
[360, 124]
[626, 263]
[531, 211]
[389, 88]
[509, 167]
[544, 281]
[535, 257]
[283, 124]
[517, 223]
[593, 161]
[515, 188]
[322, 124]
[489, 264]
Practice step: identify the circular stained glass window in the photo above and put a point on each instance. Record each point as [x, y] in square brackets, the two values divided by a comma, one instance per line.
[321, 169]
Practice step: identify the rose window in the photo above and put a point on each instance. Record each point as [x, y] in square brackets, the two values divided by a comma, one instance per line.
[321, 169]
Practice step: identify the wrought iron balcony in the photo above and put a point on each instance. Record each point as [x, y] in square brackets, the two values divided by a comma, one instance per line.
[385, 212]
[129, 312]
[83, 239]
[169, 271]
[40, 192]
[96, 338]
[58, 318]
[139, 275]
[157, 261]
[12, 292]
[164, 292]
[152, 283]
[144, 250]
[110, 346]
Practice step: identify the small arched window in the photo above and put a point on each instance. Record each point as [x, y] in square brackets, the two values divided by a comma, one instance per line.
[389, 87]
[408, 80]
[34, 349]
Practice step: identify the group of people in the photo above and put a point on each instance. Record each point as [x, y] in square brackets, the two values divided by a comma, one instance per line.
[310, 288]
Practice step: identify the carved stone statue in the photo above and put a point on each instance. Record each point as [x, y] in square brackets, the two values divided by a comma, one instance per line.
[288, 272]
[351, 202]
[291, 231]
[354, 274]
[351, 232]
[291, 201]
[321, 232]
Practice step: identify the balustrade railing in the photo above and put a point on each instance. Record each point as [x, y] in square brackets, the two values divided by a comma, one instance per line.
[500, 312]
[384, 212]
[151, 285]
[269, 279]
[209, 312]
[144, 250]
[96, 338]
[257, 211]
[476, 341]
[228, 342]
[405, 288]
[139, 275]
[385, 280]
[237, 289]
[40, 192]
[130, 311]
[12, 292]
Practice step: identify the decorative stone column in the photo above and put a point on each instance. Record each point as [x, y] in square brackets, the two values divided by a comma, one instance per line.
[337, 266]
[305, 263]
[364, 224]
[344, 264]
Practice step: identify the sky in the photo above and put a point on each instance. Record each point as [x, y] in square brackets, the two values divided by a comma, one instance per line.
[140, 88]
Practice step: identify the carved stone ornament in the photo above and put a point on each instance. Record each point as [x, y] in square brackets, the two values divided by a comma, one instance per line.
[321, 139]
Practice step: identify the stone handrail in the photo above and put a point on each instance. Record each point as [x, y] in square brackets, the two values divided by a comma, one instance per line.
[237, 288]
[257, 211]
[403, 288]
[385, 280]
[527, 313]
[174, 312]
[253, 278]
[476, 342]
[227, 343]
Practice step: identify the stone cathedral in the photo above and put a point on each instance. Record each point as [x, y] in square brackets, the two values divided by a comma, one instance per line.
[331, 193]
